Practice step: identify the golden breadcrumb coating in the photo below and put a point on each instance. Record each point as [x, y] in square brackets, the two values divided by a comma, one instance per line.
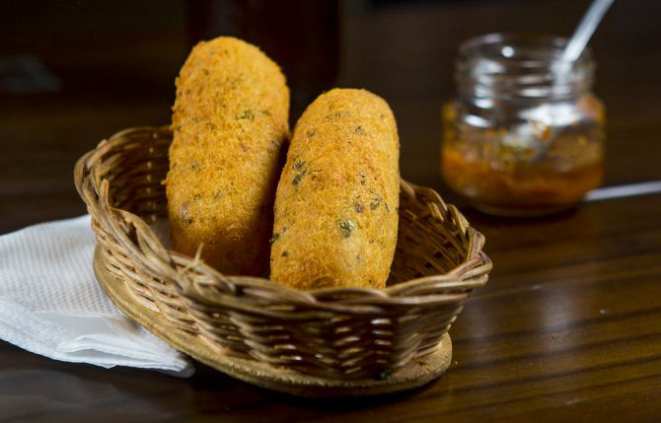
[230, 121]
[336, 207]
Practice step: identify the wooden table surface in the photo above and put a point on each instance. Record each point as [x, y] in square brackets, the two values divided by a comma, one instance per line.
[568, 328]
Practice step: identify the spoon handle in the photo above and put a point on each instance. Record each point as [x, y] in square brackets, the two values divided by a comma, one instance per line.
[585, 29]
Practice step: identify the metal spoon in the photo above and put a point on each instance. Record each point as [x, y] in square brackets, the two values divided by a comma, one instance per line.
[572, 52]
[585, 29]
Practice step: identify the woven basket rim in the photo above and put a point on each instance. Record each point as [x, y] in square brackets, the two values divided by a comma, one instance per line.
[393, 294]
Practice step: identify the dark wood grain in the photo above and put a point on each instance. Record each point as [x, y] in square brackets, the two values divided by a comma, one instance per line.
[569, 326]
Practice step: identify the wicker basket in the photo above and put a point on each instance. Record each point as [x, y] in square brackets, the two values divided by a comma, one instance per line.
[338, 333]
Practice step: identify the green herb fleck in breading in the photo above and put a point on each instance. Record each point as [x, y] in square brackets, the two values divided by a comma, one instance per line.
[302, 168]
[247, 114]
[375, 202]
[346, 227]
[299, 164]
[298, 177]
[338, 115]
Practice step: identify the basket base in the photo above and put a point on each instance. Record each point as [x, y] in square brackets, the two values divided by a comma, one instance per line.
[417, 373]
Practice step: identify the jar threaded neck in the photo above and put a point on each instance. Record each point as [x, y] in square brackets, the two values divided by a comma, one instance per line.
[520, 67]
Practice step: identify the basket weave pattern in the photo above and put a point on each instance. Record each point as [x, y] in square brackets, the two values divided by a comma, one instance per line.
[334, 333]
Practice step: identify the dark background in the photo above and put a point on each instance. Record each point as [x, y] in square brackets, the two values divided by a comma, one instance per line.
[111, 65]
[568, 327]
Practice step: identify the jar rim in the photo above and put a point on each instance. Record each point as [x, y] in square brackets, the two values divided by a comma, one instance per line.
[523, 65]
[556, 43]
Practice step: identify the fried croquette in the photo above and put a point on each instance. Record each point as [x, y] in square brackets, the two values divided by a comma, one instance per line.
[230, 120]
[337, 202]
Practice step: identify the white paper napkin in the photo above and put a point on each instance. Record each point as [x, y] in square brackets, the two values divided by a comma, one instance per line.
[51, 304]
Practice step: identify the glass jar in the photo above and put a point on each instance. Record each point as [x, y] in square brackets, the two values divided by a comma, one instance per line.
[524, 136]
